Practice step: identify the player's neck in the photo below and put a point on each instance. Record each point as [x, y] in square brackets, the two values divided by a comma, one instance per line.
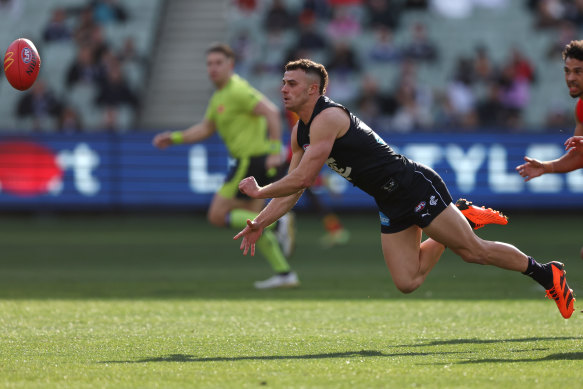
[306, 111]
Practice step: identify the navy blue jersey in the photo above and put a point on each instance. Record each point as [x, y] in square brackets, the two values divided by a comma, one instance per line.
[361, 156]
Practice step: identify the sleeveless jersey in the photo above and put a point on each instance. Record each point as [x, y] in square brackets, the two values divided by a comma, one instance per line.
[579, 110]
[361, 156]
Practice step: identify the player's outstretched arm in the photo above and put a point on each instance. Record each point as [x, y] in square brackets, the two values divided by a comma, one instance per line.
[193, 134]
[269, 215]
[533, 168]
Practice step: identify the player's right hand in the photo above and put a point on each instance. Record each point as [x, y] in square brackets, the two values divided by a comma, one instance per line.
[531, 169]
[162, 140]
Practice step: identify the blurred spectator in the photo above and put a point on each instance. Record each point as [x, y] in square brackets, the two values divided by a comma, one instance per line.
[416, 4]
[420, 48]
[523, 68]
[247, 6]
[58, 29]
[373, 106]
[129, 53]
[515, 94]
[85, 25]
[115, 91]
[461, 94]
[108, 11]
[309, 37]
[40, 104]
[548, 13]
[382, 12]
[246, 53]
[69, 121]
[483, 69]
[413, 102]
[384, 48]
[272, 52]
[84, 69]
[319, 8]
[344, 24]
[567, 31]
[110, 120]
[343, 59]
[491, 112]
[278, 17]
[574, 12]
[98, 43]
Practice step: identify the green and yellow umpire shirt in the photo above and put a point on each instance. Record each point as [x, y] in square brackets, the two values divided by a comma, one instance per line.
[231, 110]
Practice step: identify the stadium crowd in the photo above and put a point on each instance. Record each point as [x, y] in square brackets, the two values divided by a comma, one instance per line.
[355, 40]
[380, 65]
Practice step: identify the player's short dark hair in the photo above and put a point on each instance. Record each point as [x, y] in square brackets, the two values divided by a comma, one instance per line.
[573, 50]
[221, 48]
[310, 67]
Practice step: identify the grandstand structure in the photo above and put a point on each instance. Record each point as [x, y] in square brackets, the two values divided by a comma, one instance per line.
[172, 34]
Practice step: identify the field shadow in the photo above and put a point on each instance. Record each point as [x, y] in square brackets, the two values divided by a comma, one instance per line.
[573, 356]
[346, 354]
[486, 341]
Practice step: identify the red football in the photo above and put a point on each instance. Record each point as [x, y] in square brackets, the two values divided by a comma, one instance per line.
[21, 64]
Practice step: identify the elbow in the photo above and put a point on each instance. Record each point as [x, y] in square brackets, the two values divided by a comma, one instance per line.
[305, 182]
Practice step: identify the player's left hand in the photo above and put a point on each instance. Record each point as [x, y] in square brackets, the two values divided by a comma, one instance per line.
[249, 186]
[251, 235]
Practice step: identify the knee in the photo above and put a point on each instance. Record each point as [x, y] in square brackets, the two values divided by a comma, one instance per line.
[407, 287]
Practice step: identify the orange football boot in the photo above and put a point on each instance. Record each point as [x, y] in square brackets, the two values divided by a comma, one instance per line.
[478, 217]
[560, 292]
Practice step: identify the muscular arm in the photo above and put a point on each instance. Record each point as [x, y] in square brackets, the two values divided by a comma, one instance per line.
[324, 130]
[304, 168]
[571, 160]
[193, 134]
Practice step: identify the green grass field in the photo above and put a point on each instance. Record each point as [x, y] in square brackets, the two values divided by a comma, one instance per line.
[167, 302]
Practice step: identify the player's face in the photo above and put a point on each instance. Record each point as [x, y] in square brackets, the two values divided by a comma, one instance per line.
[574, 76]
[219, 68]
[296, 88]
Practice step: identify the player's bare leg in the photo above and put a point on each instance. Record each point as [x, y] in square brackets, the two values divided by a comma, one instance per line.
[451, 228]
[409, 260]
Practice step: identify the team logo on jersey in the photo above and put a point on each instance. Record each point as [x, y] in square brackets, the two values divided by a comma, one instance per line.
[420, 207]
[432, 201]
[221, 108]
[385, 221]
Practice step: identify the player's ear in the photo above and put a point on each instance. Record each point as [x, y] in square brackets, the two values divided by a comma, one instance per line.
[314, 88]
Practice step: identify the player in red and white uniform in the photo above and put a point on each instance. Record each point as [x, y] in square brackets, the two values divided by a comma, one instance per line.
[573, 157]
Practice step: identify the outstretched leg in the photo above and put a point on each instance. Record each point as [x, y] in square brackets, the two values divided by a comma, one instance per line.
[409, 260]
[451, 228]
